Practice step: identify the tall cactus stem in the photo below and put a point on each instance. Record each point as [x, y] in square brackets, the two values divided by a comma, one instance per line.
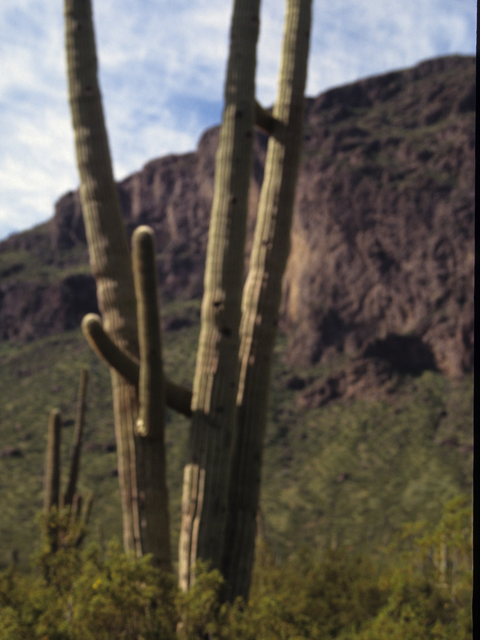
[87, 509]
[216, 374]
[77, 440]
[151, 418]
[52, 462]
[107, 244]
[261, 299]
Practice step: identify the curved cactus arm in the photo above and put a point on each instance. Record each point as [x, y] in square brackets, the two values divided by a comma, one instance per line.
[216, 374]
[77, 440]
[264, 120]
[261, 299]
[177, 397]
[126, 364]
[52, 462]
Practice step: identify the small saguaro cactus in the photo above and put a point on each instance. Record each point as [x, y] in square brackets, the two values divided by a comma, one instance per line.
[115, 337]
[70, 500]
[151, 390]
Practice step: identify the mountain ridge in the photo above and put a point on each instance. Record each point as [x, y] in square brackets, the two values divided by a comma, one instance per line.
[382, 241]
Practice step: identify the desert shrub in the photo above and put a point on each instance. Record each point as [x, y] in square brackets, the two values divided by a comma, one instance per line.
[430, 589]
[423, 591]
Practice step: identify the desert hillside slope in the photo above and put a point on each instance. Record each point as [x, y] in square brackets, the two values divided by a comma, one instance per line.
[382, 244]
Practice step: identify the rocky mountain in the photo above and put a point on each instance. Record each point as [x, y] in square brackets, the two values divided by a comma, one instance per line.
[382, 259]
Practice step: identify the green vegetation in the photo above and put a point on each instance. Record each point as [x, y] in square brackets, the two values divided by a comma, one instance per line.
[422, 591]
[348, 474]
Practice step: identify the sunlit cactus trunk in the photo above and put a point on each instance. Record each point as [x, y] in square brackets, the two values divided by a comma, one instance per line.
[216, 376]
[107, 242]
[261, 299]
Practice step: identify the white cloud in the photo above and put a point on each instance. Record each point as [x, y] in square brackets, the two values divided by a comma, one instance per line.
[162, 67]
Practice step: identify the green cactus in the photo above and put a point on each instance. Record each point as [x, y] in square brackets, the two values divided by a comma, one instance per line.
[52, 462]
[216, 374]
[117, 340]
[77, 440]
[65, 521]
[151, 420]
[107, 242]
[221, 480]
[262, 296]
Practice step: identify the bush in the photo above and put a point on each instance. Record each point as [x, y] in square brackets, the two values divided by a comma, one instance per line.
[423, 592]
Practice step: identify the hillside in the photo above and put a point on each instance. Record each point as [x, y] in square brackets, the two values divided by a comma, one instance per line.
[371, 405]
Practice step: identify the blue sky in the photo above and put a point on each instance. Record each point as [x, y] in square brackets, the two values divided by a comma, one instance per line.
[162, 66]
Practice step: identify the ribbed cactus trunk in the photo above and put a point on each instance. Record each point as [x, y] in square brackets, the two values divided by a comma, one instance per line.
[107, 243]
[261, 299]
[216, 376]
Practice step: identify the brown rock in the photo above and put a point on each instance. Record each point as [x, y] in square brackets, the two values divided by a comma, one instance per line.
[382, 239]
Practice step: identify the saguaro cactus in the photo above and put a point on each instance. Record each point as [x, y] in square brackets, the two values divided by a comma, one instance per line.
[216, 374]
[52, 462]
[107, 242]
[261, 299]
[141, 456]
[77, 440]
[221, 481]
[53, 497]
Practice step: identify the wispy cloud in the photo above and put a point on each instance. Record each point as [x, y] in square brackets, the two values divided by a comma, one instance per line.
[162, 67]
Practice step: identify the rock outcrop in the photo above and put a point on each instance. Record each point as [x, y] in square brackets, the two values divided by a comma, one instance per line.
[382, 255]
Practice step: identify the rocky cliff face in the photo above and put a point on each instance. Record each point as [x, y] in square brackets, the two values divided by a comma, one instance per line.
[382, 244]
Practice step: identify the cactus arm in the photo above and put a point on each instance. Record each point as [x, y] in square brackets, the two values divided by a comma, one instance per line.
[177, 397]
[126, 364]
[261, 299]
[151, 384]
[52, 462]
[151, 418]
[216, 374]
[77, 440]
[264, 120]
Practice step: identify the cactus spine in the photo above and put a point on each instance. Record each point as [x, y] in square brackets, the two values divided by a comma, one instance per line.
[216, 374]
